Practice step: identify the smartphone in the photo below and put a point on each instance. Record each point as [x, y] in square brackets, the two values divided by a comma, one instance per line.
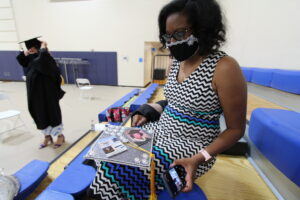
[174, 180]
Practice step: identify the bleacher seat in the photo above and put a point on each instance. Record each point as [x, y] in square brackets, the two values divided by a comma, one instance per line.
[287, 80]
[30, 177]
[262, 76]
[143, 98]
[119, 103]
[195, 194]
[276, 134]
[76, 178]
[54, 195]
[78, 162]
[73, 181]
[247, 72]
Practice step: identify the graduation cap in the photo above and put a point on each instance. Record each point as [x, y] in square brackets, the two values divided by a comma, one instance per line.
[33, 42]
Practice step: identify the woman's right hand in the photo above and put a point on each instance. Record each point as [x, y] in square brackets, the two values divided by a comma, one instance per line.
[138, 120]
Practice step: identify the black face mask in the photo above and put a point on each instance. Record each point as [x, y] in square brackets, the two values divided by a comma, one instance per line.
[182, 50]
[33, 56]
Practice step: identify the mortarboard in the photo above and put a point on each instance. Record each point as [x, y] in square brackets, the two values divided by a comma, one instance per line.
[33, 42]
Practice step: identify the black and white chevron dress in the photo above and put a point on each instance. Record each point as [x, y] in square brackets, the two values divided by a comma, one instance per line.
[189, 122]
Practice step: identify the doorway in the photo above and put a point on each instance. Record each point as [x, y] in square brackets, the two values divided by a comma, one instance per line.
[157, 63]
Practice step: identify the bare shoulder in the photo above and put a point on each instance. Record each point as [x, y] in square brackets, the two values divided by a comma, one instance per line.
[227, 67]
[227, 64]
[227, 70]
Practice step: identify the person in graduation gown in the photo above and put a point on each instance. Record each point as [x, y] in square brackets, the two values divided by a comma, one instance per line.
[43, 90]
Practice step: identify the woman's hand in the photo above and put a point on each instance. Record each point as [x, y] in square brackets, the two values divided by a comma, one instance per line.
[138, 120]
[190, 165]
[44, 45]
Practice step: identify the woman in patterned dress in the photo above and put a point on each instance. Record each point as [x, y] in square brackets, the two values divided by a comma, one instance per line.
[203, 83]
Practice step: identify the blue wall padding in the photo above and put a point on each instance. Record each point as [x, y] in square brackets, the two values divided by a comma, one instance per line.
[30, 176]
[119, 103]
[287, 80]
[247, 72]
[143, 98]
[103, 69]
[9, 66]
[262, 76]
[276, 133]
[54, 195]
[195, 194]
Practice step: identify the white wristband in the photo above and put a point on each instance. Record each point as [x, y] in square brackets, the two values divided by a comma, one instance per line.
[206, 155]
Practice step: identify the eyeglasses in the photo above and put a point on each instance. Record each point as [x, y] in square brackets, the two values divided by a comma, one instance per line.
[177, 35]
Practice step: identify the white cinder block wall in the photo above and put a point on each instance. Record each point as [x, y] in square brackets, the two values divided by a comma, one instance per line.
[264, 33]
[261, 33]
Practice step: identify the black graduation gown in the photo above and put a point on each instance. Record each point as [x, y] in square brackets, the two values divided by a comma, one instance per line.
[24, 61]
[43, 88]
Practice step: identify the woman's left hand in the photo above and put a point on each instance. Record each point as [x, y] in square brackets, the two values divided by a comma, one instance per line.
[44, 45]
[190, 165]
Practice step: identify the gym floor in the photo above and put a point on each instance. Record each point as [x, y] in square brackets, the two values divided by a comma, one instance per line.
[20, 146]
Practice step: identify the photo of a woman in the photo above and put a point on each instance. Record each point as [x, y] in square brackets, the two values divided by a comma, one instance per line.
[137, 135]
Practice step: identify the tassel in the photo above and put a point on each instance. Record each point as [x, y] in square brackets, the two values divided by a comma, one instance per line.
[152, 178]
